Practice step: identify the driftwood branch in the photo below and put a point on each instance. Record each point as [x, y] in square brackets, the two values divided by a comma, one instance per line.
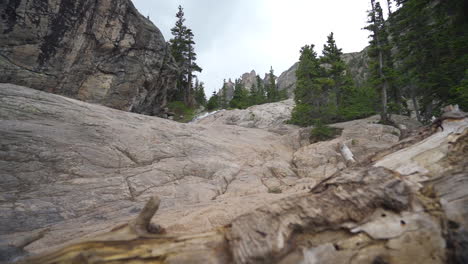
[142, 224]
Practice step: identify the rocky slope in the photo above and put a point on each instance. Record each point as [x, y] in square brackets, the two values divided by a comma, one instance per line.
[266, 116]
[357, 62]
[97, 51]
[79, 168]
[245, 194]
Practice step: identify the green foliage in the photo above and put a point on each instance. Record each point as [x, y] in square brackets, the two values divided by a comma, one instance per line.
[241, 96]
[381, 65]
[183, 113]
[359, 103]
[200, 96]
[431, 42]
[459, 93]
[258, 95]
[272, 90]
[223, 102]
[325, 92]
[182, 49]
[302, 115]
[213, 103]
[275, 190]
[321, 132]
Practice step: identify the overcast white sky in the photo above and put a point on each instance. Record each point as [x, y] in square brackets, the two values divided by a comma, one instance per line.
[235, 36]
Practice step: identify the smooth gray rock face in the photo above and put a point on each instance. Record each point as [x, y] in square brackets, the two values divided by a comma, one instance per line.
[358, 66]
[287, 80]
[103, 52]
[80, 167]
[227, 92]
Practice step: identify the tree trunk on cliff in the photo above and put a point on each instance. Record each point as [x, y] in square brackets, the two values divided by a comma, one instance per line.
[377, 24]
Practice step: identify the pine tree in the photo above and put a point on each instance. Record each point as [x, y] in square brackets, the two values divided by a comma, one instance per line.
[379, 49]
[261, 94]
[213, 102]
[240, 97]
[272, 91]
[182, 49]
[223, 101]
[335, 70]
[309, 93]
[200, 96]
[432, 52]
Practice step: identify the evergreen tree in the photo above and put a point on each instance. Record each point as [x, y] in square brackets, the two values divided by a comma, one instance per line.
[213, 102]
[252, 95]
[182, 49]
[223, 101]
[240, 98]
[261, 95]
[380, 53]
[310, 96]
[432, 52]
[335, 69]
[200, 96]
[272, 91]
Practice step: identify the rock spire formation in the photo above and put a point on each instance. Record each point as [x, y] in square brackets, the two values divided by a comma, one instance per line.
[102, 52]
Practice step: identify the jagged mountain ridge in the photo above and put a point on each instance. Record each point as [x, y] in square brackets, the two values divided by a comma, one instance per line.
[103, 52]
[248, 80]
[357, 62]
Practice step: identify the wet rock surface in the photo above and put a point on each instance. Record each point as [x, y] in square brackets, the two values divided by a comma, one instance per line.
[97, 51]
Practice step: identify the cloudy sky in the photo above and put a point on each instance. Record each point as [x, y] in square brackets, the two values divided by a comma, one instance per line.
[235, 36]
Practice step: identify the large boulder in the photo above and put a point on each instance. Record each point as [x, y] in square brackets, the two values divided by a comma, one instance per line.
[272, 116]
[364, 138]
[97, 51]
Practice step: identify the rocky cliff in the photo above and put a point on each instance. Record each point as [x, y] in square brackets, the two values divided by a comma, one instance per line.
[358, 66]
[97, 51]
[249, 80]
[287, 80]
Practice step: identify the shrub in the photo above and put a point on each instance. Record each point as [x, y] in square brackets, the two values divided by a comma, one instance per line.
[182, 112]
[274, 190]
[322, 132]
